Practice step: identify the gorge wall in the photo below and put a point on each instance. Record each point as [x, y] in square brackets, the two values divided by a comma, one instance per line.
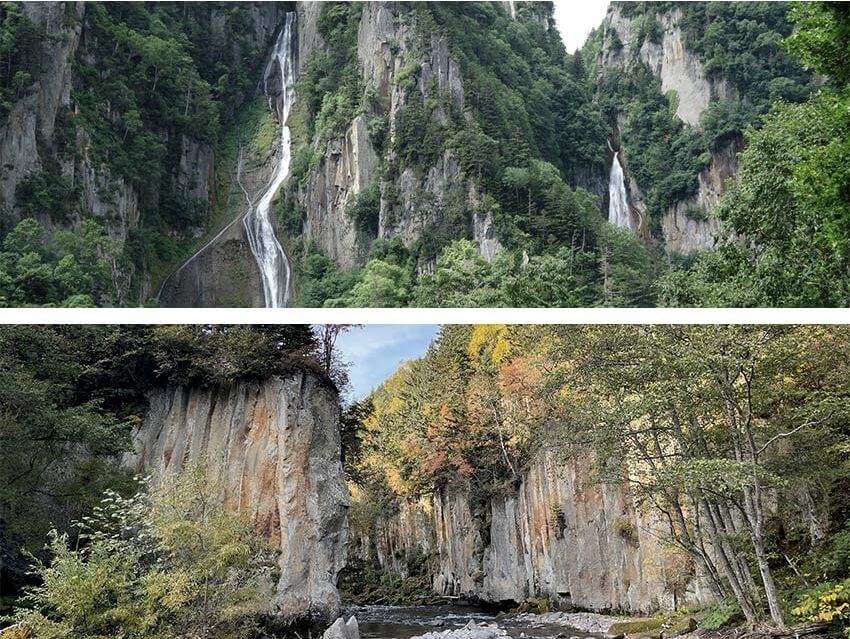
[276, 444]
[49, 140]
[557, 537]
[689, 225]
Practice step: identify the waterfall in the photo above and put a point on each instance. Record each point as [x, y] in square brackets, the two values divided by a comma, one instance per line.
[512, 7]
[618, 205]
[271, 259]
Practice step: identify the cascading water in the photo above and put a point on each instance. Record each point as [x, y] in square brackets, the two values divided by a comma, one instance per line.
[271, 259]
[618, 204]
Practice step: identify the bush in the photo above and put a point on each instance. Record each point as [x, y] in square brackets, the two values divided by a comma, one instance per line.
[169, 562]
[828, 602]
[364, 210]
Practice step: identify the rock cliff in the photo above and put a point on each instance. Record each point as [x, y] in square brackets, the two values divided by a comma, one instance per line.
[42, 137]
[277, 446]
[690, 225]
[390, 58]
[557, 537]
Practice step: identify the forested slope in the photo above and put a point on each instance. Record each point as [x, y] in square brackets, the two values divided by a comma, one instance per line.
[442, 154]
[623, 468]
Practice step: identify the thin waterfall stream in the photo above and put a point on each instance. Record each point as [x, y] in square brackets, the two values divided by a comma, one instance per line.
[266, 248]
[618, 203]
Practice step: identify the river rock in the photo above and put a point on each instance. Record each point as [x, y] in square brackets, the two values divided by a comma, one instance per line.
[342, 629]
[276, 446]
[585, 621]
[471, 630]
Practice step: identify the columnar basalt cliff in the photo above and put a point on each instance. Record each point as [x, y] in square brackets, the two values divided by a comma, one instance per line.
[557, 537]
[277, 446]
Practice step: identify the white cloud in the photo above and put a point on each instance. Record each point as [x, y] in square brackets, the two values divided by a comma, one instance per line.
[577, 18]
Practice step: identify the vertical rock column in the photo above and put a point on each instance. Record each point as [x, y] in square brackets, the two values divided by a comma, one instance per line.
[276, 445]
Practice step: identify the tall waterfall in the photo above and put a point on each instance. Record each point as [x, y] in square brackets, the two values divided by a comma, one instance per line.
[271, 259]
[618, 204]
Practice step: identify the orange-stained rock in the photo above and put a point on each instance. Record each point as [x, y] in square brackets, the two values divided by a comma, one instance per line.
[277, 446]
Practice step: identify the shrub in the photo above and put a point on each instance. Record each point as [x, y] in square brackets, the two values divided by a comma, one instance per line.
[171, 561]
[721, 615]
[828, 602]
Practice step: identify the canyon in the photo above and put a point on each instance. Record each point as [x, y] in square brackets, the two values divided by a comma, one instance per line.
[239, 245]
[276, 444]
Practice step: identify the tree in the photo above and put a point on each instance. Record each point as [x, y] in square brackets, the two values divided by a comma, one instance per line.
[329, 356]
[381, 285]
[696, 420]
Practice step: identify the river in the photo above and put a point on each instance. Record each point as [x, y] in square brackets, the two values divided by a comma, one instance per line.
[404, 622]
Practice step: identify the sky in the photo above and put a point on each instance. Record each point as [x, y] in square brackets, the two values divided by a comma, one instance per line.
[375, 351]
[576, 19]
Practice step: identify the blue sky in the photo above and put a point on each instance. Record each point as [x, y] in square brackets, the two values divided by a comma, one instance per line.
[376, 350]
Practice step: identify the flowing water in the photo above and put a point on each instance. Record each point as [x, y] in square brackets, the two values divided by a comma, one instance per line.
[270, 256]
[404, 622]
[618, 204]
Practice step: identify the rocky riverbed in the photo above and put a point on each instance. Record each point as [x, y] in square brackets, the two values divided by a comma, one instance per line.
[470, 622]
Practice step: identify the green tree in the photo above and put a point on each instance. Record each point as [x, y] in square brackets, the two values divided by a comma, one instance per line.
[381, 285]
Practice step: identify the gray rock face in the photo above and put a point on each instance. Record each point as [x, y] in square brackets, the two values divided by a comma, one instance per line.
[680, 69]
[590, 546]
[34, 115]
[277, 447]
[388, 54]
[347, 168]
[688, 226]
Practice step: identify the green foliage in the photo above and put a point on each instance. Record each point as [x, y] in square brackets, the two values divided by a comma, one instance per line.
[365, 210]
[834, 560]
[381, 285]
[628, 396]
[209, 355]
[794, 208]
[79, 267]
[461, 278]
[826, 602]
[169, 562]
[47, 194]
[21, 42]
[721, 615]
[319, 280]
[330, 83]
[822, 38]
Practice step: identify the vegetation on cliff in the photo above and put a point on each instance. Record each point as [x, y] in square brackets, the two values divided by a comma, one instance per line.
[70, 396]
[736, 437]
[521, 133]
[791, 198]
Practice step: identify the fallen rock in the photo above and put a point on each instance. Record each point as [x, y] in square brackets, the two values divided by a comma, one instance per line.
[342, 629]
[645, 628]
[471, 630]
